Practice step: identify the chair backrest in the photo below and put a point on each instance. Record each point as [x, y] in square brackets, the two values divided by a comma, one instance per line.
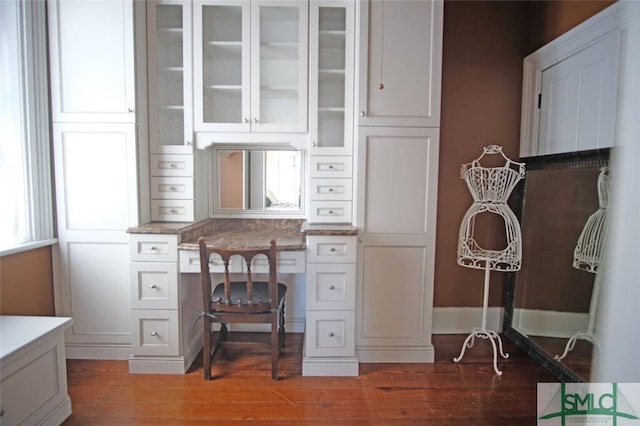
[248, 304]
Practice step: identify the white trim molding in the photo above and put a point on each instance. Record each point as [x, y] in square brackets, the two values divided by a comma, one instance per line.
[584, 35]
[463, 320]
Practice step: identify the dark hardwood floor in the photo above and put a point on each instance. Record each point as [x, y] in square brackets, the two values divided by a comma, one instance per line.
[468, 393]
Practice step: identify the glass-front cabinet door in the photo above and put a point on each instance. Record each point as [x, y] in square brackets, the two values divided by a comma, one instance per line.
[250, 66]
[331, 70]
[169, 73]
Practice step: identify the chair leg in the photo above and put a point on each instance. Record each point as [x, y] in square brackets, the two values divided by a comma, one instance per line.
[275, 350]
[206, 348]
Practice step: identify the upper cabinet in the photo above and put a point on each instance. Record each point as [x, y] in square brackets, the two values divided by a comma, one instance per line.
[169, 77]
[331, 77]
[92, 60]
[396, 88]
[250, 66]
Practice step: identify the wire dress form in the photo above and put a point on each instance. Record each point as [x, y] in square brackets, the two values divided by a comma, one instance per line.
[490, 188]
[589, 255]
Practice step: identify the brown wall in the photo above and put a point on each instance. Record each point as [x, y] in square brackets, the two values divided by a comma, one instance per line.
[484, 46]
[26, 283]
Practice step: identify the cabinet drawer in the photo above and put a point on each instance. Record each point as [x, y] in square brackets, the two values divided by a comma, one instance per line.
[330, 212]
[330, 333]
[331, 189]
[331, 167]
[154, 285]
[172, 188]
[172, 210]
[154, 332]
[153, 247]
[289, 262]
[331, 286]
[171, 165]
[190, 262]
[331, 249]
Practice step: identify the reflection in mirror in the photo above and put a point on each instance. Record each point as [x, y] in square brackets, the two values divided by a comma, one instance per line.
[553, 301]
[258, 180]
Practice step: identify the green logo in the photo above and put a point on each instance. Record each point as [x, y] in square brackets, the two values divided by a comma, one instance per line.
[588, 401]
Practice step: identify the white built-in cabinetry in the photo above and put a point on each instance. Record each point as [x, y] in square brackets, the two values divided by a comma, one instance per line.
[177, 171]
[331, 88]
[250, 69]
[95, 165]
[397, 177]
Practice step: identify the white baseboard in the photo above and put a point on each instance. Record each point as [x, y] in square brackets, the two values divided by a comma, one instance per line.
[464, 320]
[537, 322]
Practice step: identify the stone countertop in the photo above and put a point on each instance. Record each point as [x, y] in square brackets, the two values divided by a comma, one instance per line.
[289, 234]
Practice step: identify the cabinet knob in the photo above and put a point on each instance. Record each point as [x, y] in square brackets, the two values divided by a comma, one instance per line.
[153, 248]
[331, 334]
[173, 211]
[330, 189]
[331, 287]
[154, 333]
[188, 143]
[172, 165]
[362, 114]
[129, 109]
[313, 144]
[171, 188]
[331, 166]
[245, 120]
[255, 120]
[331, 212]
[332, 249]
[153, 286]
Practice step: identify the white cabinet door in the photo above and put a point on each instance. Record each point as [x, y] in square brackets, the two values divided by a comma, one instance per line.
[250, 66]
[397, 196]
[579, 100]
[331, 76]
[96, 199]
[400, 63]
[92, 61]
[169, 76]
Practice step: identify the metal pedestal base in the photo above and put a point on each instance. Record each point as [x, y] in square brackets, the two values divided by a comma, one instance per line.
[583, 335]
[484, 334]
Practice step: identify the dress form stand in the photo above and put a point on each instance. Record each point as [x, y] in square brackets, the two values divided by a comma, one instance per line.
[490, 188]
[588, 255]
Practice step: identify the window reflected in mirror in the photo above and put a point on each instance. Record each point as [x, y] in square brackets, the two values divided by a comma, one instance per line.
[257, 180]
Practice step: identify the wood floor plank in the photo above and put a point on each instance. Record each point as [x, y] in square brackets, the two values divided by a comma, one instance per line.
[440, 393]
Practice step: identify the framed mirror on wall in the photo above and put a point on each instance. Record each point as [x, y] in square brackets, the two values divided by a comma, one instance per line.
[258, 181]
[551, 303]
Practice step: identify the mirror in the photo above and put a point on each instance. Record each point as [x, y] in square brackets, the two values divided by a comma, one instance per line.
[258, 180]
[549, 301]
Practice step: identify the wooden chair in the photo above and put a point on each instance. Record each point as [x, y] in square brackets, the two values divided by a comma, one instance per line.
[245, 301]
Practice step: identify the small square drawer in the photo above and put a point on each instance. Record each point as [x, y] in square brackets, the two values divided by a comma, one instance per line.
[331, 286]
[155, 332]
[172, 210]
[153, 247]
[330, 212]
[331, 167]
[154, 285]
[172, 188]
[330, 333]
[331, 249]
[171, 165]
[331, 189]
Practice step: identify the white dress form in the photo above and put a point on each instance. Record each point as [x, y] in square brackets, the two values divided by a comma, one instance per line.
[490, 188]
[588, 256]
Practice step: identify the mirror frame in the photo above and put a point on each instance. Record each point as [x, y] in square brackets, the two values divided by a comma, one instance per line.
[214, 208]
[581, 159]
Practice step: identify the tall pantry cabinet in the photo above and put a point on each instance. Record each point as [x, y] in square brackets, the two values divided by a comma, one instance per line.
[93, 101]
[398, 112]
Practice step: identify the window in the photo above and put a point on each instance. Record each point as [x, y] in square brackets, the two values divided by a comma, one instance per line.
[26, 212]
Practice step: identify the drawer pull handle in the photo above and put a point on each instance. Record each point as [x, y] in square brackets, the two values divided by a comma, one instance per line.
[330, 189]
[152, 286]
[330, 211]
[331, 287]
[173, 211]
[332, 249]
[171, 188]
[172, 165]
[154, 333]
[153, 248]
[331, 166]
[331, 334]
